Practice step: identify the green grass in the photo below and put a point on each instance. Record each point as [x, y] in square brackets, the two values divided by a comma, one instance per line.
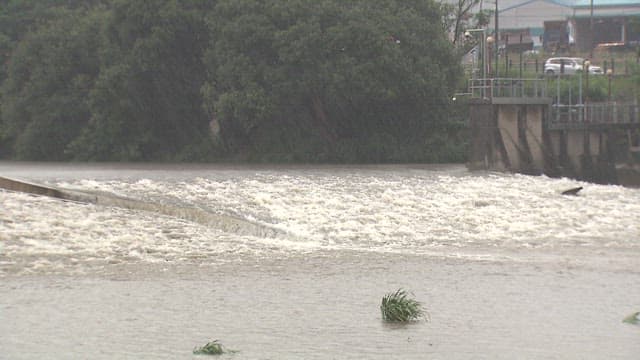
[398, 307]
[211, 348]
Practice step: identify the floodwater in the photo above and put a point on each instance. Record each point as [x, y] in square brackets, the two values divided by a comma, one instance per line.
[292, 262]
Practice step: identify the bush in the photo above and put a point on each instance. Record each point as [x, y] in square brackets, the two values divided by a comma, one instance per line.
[211, 348]
[398, 307]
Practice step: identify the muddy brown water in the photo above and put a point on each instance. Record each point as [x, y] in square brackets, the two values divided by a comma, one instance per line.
[506, 267]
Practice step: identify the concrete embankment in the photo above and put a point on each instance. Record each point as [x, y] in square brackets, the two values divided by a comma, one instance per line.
[26, 187]
[219, 221]
[520, 135]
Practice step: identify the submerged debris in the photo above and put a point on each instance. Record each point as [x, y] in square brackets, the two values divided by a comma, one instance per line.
[572, 191]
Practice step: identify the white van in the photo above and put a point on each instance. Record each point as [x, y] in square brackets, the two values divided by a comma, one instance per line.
[572, 65]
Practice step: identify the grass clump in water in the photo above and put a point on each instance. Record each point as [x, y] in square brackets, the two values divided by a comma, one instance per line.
[211, 348]
[398, 307]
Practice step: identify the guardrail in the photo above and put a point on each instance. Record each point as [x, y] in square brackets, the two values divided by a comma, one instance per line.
[581, 115]
[507, 87]
[561, 116]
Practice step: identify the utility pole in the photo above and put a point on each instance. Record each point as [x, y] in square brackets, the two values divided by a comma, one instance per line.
[497, 38]
[591, 39]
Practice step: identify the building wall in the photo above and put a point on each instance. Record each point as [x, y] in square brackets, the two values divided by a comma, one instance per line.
[608, 11]
[530, 14]
[609, 19]
[521, 14]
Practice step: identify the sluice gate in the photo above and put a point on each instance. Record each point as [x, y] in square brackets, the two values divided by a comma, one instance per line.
[517, 126]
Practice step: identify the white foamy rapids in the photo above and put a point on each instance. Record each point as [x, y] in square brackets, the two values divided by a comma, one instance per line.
[399, 212]
[414, 212]
[42, 234]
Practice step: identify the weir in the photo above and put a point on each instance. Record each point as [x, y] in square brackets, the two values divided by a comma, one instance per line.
[223, 222]
[517, 126]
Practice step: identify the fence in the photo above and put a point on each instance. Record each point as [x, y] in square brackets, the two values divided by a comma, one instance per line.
[596, 114]
[507, 87]
[561, 115]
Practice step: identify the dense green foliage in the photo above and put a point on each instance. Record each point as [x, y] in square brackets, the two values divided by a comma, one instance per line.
[212, 348]
[257, 80]
[399, 307]
[571, 90]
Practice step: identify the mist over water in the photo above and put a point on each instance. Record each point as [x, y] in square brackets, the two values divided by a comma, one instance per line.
[338, 227]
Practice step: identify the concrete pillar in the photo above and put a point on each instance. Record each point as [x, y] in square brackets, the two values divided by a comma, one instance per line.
[575, 147]
[508, 129]
[554, 138]
[594, 143]
[482, 127]
[534, 117]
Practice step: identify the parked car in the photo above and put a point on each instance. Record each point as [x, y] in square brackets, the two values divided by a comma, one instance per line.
[572, 65]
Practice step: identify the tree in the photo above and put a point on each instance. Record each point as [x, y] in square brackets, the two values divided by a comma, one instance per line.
[146, 104]
[49, 76]
[322, 80]
[335, 74]
[19, 17]
[458, 16]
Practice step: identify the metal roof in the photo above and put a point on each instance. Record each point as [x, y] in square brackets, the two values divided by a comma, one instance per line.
[527, 2]
[599, 3]
[577, 3]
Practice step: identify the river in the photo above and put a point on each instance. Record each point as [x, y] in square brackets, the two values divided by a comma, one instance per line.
[291, 262]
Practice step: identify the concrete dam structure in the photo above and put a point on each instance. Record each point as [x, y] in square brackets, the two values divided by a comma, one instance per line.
[516, 126]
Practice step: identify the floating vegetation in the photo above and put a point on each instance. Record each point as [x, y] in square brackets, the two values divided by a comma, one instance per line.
[212, 348]
[398, 307]
[633, 318]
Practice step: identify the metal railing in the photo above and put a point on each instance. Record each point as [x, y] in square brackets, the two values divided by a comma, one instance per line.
[561, 115]
[507, 87]
[608, 113]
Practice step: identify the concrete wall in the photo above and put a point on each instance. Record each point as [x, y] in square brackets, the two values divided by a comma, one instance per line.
[508, 135]
[597, 143]
[26, 187]
[554, 141]
[482, 128]
[580, 143]
[528, 14]
[521, 129]
[575, 148]
[535, 136]
[508, 128]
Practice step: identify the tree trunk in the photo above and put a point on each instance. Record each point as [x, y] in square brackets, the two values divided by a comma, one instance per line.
[321, 121]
